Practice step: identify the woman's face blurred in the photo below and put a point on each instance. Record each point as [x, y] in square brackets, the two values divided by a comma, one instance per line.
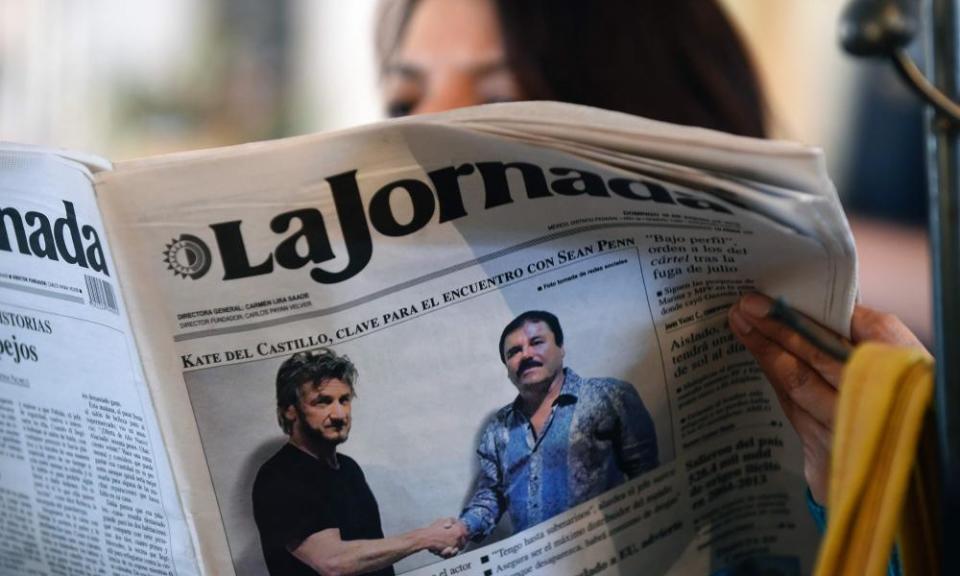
[451, 55]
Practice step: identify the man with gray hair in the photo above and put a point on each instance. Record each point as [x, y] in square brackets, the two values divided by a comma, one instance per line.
[312, 505]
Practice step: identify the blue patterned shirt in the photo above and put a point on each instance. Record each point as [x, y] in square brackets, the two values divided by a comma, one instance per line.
[598, 435]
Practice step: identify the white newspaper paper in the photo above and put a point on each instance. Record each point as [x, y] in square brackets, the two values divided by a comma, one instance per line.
[85, 485]
[408, 247]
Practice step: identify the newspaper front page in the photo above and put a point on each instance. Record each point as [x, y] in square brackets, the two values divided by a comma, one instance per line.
[409, 247]
[85, 485]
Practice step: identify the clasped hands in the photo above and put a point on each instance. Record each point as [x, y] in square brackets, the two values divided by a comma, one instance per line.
[446, 537]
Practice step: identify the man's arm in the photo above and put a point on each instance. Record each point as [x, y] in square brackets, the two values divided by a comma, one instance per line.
[636, 443]
[481, 514]
[329, 555]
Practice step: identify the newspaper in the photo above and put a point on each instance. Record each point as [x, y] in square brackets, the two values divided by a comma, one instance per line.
[85, 485]
[408, 247]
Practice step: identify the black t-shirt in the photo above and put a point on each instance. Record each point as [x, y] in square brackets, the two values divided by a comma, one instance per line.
[296, 495]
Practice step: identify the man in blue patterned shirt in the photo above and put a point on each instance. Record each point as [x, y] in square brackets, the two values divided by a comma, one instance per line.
[564, 440]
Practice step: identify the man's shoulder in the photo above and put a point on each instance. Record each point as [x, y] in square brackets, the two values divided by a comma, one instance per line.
[609, 392]
[601, 384]
[348, 464]
[499, 420]
[273, 478]
[276, 467]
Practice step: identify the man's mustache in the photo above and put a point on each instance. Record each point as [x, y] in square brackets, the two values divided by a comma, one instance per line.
[526, 364]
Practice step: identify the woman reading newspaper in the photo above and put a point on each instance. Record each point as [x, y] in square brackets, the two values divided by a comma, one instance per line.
[679, 62]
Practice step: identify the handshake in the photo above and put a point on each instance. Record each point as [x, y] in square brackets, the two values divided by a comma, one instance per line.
[444, 537]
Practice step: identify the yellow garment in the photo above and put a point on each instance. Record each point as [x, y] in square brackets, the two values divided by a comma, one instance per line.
[883, 405]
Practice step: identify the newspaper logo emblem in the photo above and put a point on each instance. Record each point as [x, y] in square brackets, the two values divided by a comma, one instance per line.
[187, 256]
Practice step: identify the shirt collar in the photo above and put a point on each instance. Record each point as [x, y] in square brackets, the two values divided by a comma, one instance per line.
[569, 392]
[305, 460]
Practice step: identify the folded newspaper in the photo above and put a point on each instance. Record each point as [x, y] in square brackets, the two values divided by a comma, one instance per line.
[296, 356]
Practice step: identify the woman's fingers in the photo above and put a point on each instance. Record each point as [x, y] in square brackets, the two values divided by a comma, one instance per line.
[868, 324]
[789, 365]
[755, 310]
[804, 378]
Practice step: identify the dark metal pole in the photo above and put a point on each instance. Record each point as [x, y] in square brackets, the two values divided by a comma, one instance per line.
[885, 28]
[941, 30]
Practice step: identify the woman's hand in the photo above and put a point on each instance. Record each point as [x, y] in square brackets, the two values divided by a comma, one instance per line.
[804, 378]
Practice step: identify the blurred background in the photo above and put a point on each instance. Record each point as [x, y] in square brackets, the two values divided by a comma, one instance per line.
[128, 79]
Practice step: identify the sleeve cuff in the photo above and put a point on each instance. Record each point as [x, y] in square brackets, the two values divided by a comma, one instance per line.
[474, 525]
[818, 512]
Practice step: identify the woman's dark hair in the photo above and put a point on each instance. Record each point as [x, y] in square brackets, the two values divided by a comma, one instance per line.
[677, 61]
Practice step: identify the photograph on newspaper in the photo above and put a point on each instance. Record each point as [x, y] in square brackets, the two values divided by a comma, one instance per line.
[425, 402]
[444, 278]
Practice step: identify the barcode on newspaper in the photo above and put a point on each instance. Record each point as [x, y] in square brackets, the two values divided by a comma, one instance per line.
[100, 294]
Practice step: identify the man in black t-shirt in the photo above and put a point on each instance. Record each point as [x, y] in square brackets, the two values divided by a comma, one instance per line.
[313, 508]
